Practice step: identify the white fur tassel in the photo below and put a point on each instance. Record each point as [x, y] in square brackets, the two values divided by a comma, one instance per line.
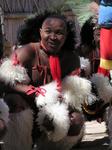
[103, 86]
[51, 95]
[76, 90]
[11, 74]
[59, 113]
[85, 64]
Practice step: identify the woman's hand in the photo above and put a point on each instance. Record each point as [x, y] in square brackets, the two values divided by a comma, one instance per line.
[27, 89]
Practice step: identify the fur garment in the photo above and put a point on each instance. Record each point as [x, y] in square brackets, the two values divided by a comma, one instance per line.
[11, 74]
[103, 86]
[85, 65]
[18, 136]
[55, 111]
[75, 90]
[19, 127]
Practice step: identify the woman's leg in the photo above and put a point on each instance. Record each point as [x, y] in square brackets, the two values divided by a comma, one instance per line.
[19, 132]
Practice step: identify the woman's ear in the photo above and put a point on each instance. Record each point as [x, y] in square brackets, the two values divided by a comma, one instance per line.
[40, 30]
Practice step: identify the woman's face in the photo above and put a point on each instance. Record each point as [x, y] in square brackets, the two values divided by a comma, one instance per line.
[53, 34]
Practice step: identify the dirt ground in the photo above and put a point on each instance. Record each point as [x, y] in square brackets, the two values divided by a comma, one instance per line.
[95, 137]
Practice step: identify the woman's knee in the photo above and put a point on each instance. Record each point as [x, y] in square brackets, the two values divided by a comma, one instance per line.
[77, 122]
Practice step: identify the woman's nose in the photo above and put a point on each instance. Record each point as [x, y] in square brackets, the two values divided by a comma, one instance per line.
[53, 36]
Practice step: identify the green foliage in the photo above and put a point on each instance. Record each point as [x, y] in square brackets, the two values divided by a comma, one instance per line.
[80, 8]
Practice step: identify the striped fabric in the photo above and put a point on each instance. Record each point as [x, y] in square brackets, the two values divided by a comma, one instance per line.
[105, 14]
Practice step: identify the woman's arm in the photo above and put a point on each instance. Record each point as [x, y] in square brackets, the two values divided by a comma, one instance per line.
[26, 89]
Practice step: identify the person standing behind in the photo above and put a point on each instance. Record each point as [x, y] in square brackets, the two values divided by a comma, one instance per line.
[105, 22]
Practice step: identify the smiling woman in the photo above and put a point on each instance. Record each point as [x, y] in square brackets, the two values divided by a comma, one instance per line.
[46, 52]
[53, 34]
[32, 27]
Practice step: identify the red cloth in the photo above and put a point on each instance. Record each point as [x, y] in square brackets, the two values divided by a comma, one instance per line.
[106, 43]
[55, 70]
[105, 51]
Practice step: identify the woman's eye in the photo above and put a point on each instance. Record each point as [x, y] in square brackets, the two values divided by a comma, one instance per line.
[60, 33]
[48, 31]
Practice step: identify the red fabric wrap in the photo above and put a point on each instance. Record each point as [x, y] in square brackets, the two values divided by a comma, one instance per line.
[106, 44]
[105, 51]
[55, 70]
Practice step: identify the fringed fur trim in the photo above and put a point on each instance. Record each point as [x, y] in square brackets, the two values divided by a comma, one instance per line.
[76, 90]
[11, 74]
[59, 113]
[85, 64]
[103, 86]
[51, 95]
[18, 135]
[4, 111]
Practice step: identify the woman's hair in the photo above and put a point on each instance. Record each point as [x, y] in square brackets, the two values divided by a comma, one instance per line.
[29, 31]
[88, 33]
